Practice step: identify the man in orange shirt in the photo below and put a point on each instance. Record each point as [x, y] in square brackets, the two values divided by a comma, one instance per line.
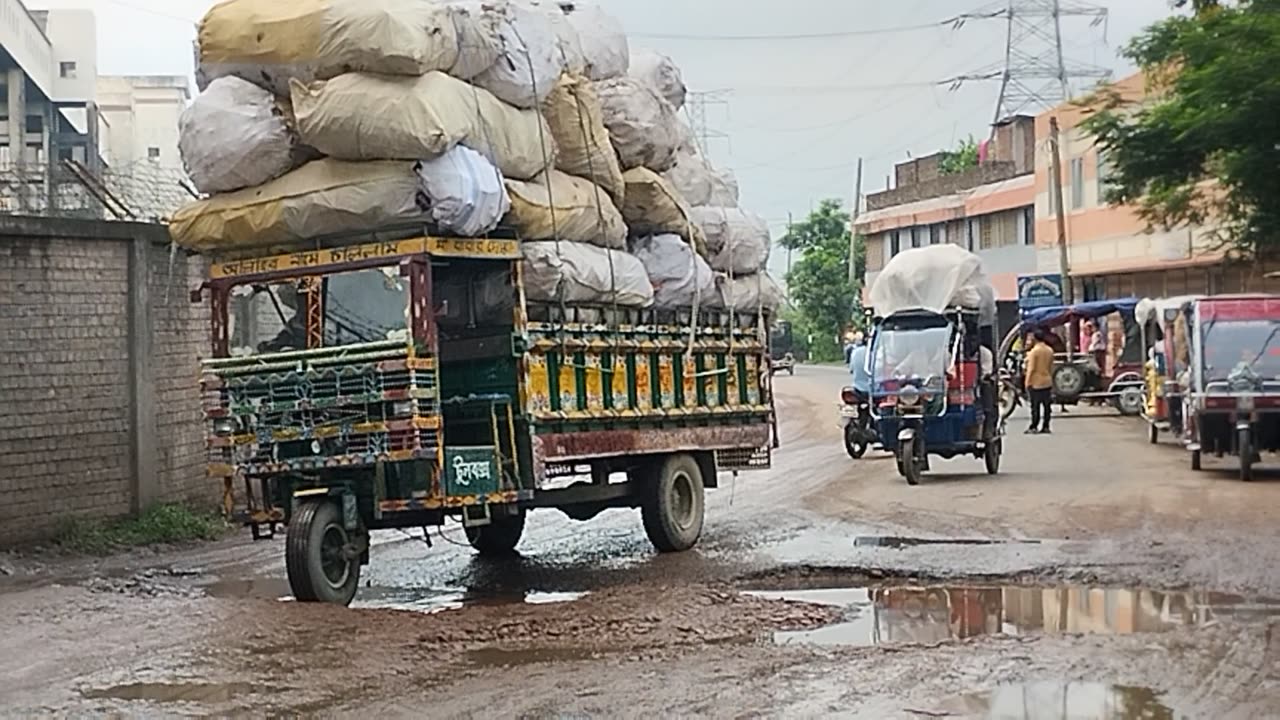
[1039, 383]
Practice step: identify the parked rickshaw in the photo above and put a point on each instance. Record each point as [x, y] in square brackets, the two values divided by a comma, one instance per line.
[1163, 324]
[931, 362]
[1234, 401]
[1079, 375]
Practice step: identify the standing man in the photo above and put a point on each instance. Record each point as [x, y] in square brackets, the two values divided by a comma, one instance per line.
[1039, 383]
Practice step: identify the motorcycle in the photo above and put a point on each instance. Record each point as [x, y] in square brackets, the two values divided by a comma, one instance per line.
[856, 421]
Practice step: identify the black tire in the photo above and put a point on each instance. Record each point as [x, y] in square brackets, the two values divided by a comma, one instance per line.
[499, 538]
[318, 555]
[1195, 460]
[674, 504]
[991, 458]
[910, 464]
[1068, 381]
[852, 445]
[1130, 402]
[1153, 433]
[791, 371]
[1244, 448]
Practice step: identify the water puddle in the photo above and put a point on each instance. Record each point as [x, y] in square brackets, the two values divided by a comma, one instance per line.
[426, 600]
[1060, 701]
[177, 692]
[896, 542]
[931, 614]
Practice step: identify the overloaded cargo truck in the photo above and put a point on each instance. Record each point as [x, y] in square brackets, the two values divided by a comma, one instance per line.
[401, 379]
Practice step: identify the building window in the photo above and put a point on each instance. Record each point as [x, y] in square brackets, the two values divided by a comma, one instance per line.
[35, 124]
[1104, 174]
[67, 69]
[1029, 225]
[919, 236]
[153, 153]
[937, 234]
[895, 243]
[1077, 183]
[971, 243]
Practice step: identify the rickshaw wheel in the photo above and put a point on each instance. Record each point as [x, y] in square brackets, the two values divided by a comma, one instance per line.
[1245, 449]
[992, 456]
[1153, 433]
[908, 463]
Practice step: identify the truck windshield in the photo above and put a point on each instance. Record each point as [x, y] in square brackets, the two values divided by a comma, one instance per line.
[360, 306]
[910, 353]
[1230, 345]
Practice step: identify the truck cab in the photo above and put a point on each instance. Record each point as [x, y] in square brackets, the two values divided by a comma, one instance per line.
[399, 379]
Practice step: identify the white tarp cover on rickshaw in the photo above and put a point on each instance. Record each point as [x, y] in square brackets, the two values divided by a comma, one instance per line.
[935, 278]
[1152, 308]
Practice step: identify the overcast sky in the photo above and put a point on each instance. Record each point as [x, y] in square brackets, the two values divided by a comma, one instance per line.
[798, 112]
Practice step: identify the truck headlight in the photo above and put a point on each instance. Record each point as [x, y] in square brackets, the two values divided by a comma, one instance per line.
[225, 427]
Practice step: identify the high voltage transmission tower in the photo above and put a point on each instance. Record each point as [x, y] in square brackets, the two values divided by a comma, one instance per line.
[695, 107]
[1036, 74]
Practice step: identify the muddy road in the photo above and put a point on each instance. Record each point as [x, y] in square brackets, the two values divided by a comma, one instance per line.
[1096, 577]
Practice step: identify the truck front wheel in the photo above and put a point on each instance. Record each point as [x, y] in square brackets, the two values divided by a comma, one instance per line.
[673, 504]
[499, 537]
[322, 557]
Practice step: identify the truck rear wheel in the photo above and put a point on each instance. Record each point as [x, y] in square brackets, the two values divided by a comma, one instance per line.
[673, 504]
[321, 556]
[499, 537]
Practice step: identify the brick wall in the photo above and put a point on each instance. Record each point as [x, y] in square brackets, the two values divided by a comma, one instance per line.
[85, 395]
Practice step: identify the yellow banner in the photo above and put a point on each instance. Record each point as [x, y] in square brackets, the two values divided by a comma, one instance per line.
[474, 247]
[306, 259]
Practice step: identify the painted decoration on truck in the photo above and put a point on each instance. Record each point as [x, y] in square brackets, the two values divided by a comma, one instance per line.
[595, 384]
[711, 380]
[666, 382]
[644, 385]
[732, 393]
[618, 384]
[689, 377]
[753, 380]
[568, 384]
[539, 384]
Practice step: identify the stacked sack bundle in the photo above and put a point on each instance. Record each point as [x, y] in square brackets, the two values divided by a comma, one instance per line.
[327, 116]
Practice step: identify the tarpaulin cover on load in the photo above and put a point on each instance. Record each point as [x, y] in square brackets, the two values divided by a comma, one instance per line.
[935, 279]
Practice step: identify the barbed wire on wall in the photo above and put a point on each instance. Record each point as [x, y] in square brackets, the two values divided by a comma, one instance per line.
[141, 191]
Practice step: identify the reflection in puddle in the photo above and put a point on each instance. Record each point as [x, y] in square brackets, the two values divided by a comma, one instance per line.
[177, 692]
[888, 615]
[1063, 701]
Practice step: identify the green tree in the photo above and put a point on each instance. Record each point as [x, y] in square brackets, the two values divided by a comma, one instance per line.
[819, 280]
[1204, 146]
[964, 157]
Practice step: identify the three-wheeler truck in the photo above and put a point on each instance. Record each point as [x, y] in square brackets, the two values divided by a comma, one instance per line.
[397, 378]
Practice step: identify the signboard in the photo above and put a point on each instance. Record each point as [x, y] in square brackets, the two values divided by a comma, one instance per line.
[470, 471]
[480, 248]
[1037, 291]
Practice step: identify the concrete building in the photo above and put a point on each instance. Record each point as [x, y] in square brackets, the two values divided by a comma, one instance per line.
[1111, 252]
[141, 114]
[988, 209]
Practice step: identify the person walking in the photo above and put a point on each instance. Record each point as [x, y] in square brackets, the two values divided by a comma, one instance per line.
[1039, 383]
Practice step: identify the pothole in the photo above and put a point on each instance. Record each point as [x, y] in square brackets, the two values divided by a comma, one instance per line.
[1059, 701]
[922, 614]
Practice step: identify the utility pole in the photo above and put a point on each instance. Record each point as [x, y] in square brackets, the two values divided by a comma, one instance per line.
[1060, 214]
[853, 221]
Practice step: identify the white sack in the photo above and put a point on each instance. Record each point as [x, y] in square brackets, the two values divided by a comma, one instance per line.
[270, 42]
[680, 277]
[479, 40]
[360, 116]
[604, 42]
[569, 45]
[724, 189]
[661, 73]
[465, 192]
[585, 274]
[684, 137]
[320, 198]
[644, 128]
[530, 63]
[235, 135]
[750, 293]
[556, 205]
[692, 177]
[652, 207]
[934, 278]
[573, 113]
[737, 240]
